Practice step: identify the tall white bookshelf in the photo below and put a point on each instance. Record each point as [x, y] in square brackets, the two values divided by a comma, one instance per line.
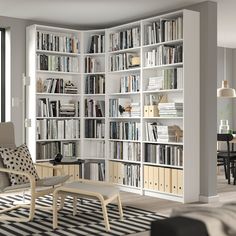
[124, 71]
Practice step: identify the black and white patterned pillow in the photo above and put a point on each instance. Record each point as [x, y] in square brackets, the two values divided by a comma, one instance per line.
[18, 159]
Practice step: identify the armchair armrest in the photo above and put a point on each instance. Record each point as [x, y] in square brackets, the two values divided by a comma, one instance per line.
[29, 176]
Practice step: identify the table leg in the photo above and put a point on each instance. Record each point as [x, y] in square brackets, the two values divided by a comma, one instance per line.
[74, 205]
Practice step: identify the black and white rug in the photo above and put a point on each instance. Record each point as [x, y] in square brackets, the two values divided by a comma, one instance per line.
[88, 221]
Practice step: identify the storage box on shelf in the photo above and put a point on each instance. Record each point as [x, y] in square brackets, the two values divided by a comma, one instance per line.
[135, 92]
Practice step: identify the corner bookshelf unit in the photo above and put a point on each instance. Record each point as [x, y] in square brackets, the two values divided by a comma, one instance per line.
[138, 101]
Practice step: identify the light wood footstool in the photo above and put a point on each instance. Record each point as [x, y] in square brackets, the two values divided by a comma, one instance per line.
[104, 192]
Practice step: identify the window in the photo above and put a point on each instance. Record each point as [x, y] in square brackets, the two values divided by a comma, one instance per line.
[2, 74]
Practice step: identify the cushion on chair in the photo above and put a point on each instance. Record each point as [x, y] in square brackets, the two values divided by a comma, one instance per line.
[18, 159]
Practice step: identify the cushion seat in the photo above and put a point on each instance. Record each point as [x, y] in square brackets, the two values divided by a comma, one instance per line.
[45, 182]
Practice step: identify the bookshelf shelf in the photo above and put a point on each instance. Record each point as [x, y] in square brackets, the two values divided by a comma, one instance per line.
[59, 94]
[162, 165]
[57, 72]
[127, 161]
[164, 91]
[167, 143]
[57, 53]
[163, 66]
[136, 49]
[123, 70]
[172, 42]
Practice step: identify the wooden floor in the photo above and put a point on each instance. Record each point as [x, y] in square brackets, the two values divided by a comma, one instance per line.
[226, 193]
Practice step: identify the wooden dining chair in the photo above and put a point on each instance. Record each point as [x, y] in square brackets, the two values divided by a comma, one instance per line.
[227, 158]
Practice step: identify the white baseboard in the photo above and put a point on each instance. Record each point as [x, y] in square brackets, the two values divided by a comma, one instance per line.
[210, 199]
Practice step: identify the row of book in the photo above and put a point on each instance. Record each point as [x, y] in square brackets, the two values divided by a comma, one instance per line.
[172, 29]
[94, 171]
[130, 83]
[57, 63]
[92, 65]
[58, 85]
[57, 43]
[152, 33]
[160, 133]
[173, 109]
[164, 154]
[171, 79]
[57, 108]
[57, 129]
[97, 44]
[95, 84]
[163, 55]
[122, 61]
[125, 151]
[94, 129]
[124, 39]
[125, 130]
[47, 150]
[124, 107]
[125, 174]
[94, 108]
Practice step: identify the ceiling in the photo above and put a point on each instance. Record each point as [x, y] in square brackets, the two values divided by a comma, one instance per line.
[103, 13]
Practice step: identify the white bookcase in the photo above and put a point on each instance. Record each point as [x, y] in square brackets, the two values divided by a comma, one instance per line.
[112, 73]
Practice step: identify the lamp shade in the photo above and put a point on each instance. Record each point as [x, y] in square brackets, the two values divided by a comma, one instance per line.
[225, 91]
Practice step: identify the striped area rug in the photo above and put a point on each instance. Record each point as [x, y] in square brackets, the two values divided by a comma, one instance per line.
[88, 221]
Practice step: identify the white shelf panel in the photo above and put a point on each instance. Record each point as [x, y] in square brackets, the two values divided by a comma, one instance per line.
[124, 118]
[56, 140]
[127, 161]
[164, 91]
[58, 118]
[124, 94]
[125, 71]
[95, 95]
[167, 143]
[95, 73]
[172, 42]
[94, 139]
[123, 140]
[163, 118]
[94, 118]
[58, 53]
[58, 94]
[162, 165]
[136, 49]
[94, 54]
[57, 72]
[164, 66]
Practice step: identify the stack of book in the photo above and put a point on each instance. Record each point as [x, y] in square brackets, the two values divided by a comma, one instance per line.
[94, 171]
[97, 43]
[94, 129]
[69, 149]
[124, 39]
[131, 175]
[95, 84]
[174, 109]
[47, 150]
[160, 133]
[92, 65]
[58, 43]
[94, 108]
[70, 88]
[164, 154]
[135, 109]
[122, 107]
[125, 130]
[152, 33]
[163, 55]
[57, 63]
[130, 83]
[67, 110]
[155, 83]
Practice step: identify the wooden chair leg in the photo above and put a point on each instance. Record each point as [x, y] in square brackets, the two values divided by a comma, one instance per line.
[55, 220]
[120, 207]
[32, 207]
[74, 205]
[105, 215]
